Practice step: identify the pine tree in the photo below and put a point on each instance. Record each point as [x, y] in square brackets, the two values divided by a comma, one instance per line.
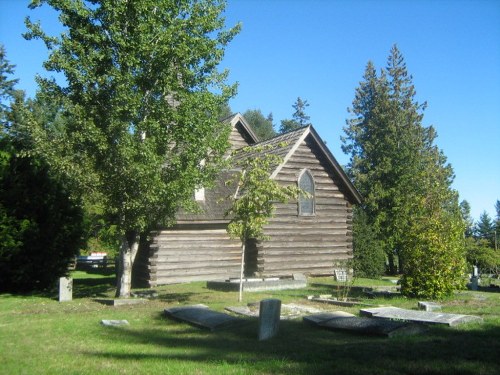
[299, 118]
[465, 210]
[394, 163]
[485, 228]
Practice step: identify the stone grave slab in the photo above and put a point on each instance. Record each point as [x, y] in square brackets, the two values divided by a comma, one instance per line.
[288, 311]
[369, 326]
[419, 316]
[114, 323]
[429, 306]
[316, 319]
[299, 276]
[121, 301]
[202, 317]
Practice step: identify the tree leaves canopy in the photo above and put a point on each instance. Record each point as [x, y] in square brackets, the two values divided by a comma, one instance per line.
[143, 95]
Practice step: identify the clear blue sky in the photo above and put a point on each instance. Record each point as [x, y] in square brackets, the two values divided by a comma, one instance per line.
[318, 50]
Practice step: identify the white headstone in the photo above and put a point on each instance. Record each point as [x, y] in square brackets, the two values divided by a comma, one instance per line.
[269, 318]
[65, 289]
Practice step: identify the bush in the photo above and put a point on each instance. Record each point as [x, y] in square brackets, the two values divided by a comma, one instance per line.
[41, 228]
[434, 256]
[368, 253]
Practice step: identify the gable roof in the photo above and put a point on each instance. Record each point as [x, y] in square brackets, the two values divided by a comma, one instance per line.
[285, 145]
[238, 121]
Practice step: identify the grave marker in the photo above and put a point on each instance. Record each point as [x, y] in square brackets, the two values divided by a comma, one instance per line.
[65, 289]
[269, 318]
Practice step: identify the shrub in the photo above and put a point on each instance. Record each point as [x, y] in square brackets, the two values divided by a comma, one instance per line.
[434, 256]
[368, 253]
[41, 228]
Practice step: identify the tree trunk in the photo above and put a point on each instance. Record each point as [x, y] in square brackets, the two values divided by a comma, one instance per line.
[392, 265]
[128, 250]
[241, 270]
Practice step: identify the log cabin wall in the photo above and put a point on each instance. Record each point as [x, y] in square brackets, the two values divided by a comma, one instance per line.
[188, 253]
[307, 244]
[239, 138]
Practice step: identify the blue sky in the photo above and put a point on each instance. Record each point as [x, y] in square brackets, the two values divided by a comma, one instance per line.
[318, 50]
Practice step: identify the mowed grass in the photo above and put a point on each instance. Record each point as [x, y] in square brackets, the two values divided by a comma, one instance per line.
[39, 335]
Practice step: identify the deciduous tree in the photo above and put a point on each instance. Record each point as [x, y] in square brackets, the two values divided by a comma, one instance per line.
[254, 202]
[262, 126]
[143, 95]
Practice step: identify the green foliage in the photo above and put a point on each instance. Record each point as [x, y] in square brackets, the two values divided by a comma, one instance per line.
[481, 254]
[142, 104]
[263, 127]
[368, 252]
[394, 163]
[7, 84]
[299, 119]
[434, 252]
[467, 218]
[485, 229]
[41, 227]
[257, 193]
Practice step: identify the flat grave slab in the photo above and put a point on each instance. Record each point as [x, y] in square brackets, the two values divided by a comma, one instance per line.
[121, 301]
[429, 306]
[288, 311]
[419, 316]
[114, 323]
[366, 326]
[257, 285]
[334, 301]
[316, 319]
[202, 317]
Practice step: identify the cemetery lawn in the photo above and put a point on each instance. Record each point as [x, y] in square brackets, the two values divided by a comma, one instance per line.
[39, 335]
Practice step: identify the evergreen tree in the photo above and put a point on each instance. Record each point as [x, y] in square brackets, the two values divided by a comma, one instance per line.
[368, 253]
[299, 119]
[262, 126]
[41, 224]
[402, 175]
[143, 97]
[485, 228]
[467, 218]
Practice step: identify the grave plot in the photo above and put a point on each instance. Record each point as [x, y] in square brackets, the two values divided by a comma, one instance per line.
[419, 316]
[288, 311]
[365, 326]
[201, 316]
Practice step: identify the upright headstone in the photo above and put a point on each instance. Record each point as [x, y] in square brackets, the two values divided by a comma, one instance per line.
[65, 289]
[474, 280]
[269, 318]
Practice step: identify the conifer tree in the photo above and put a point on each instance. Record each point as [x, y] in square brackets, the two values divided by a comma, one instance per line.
[299, 119]
[394, 163]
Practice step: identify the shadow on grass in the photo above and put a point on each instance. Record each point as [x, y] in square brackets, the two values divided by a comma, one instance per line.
[302, 349]
[176, 297]
[92, 286]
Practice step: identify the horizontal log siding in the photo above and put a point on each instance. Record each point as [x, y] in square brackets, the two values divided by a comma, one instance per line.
[307, 244]
[237, 138]
[193, 254]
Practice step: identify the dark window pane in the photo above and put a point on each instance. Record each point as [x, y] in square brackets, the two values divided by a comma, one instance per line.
[306, 204]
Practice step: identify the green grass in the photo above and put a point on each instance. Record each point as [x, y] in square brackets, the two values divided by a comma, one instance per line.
[39, 335]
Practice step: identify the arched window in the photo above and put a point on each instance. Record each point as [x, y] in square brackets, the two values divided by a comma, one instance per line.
[306, 202]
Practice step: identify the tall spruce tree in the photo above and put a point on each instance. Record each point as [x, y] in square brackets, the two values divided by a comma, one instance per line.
[143, 95]
[394, 163]
[299, 118]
